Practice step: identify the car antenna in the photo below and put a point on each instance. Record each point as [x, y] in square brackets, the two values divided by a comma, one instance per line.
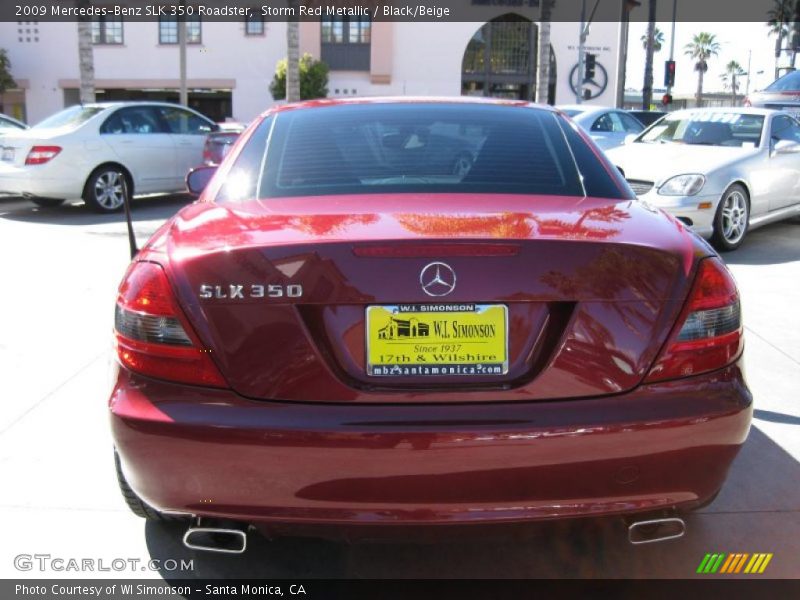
[126, 201]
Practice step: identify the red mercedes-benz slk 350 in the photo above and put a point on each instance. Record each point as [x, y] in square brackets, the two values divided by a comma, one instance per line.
[422, 312]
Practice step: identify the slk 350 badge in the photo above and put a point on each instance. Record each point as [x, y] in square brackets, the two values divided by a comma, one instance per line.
[236, 291]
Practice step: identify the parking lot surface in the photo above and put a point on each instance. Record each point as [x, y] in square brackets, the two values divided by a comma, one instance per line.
[60, 269]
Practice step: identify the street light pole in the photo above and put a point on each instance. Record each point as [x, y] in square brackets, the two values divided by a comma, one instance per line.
[581, 42]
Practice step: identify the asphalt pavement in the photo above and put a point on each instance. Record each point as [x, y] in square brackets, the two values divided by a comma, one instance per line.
[59, 271]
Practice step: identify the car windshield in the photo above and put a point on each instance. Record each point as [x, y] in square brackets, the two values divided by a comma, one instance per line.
[789, 82]
[70, 118]
[707, 128]
[392, 148]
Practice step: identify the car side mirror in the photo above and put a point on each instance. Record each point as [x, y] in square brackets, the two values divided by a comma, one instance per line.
[630, 137]
[785, 147]
[198, 178]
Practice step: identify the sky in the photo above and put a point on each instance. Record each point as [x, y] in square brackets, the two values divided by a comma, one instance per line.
[736, 39]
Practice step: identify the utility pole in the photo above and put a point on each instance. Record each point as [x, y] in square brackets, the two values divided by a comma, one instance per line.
[184, 92]
[747, 85]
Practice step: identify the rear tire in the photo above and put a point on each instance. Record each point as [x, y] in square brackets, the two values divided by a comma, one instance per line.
[138, 506]
[732, 219]
[47, 202]
[105, 189]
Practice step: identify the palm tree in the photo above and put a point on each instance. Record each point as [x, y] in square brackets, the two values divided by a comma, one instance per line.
[730, 78]
[85, 55]
[778, 20]
[702, 47]
[543, 52]
[649, 45]
[293, 54]
[658, 40]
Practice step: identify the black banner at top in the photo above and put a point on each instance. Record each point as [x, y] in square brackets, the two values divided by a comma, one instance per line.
[399, 10]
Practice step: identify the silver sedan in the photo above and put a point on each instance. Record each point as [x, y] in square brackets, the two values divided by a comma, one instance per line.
[721, 171]
[608, 127]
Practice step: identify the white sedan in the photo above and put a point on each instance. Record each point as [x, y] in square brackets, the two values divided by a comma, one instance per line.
[721, 171]
[9, 125]
[95, 151]
[608, 127]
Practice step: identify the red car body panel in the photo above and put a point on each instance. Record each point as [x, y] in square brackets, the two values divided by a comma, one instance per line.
[214, 453]
[593, 288]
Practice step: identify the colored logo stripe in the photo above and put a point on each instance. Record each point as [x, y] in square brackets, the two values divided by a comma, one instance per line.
[734, 563]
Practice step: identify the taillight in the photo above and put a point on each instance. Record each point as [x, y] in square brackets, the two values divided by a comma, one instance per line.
[208, 157]
[39, 155]
[708, 334]
[152, 335]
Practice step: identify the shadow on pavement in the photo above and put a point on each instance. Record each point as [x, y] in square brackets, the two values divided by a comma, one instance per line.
[142, 209]
[755, 512]
[769, 245]
[775, 417]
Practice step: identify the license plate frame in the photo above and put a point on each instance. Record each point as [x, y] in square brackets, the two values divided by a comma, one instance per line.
[395, 332]
[7, 154]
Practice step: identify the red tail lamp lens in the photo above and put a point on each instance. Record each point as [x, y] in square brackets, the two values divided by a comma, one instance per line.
[152, 335]
[709, 331]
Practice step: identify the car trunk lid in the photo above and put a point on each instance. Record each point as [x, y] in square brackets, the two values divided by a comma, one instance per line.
[588, 291]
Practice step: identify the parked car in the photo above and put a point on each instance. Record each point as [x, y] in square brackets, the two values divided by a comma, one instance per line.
[647, 117]
[781, 94]
[608, 127]
[218, 143]
[331, 337]
[94, 151]
[10, 125]
[722, 171]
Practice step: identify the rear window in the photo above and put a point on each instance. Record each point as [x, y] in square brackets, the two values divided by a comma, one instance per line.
[395, 148]
[71, 118]
[789, 82]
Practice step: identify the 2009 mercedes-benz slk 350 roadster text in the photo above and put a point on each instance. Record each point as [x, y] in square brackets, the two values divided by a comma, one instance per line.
[386, 311]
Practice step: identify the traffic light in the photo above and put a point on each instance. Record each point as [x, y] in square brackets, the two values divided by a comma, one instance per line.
[666, 99]
[669, 73]
[589, 67]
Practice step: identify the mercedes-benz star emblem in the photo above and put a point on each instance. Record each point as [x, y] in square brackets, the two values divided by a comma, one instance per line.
[437, 279]
[595, 86]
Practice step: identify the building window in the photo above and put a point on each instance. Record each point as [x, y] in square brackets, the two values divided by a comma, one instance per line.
[168, 30]
[107, 30]
[360, 31]
[254, 25]
[346, 43]
[346, 31]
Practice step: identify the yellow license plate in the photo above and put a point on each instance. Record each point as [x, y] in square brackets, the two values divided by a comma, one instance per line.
[437, 340]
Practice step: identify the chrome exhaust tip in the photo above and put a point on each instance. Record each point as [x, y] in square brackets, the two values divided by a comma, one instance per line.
[227, 537]
[656, 530]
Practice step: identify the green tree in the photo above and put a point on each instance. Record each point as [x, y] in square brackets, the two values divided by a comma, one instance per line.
[313, 79]
[779, 18]
[6, 80]
[730, 78]
[658, 40]
[702, 47]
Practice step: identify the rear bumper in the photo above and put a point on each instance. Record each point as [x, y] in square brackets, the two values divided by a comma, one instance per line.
[37, 181]
[214, 453]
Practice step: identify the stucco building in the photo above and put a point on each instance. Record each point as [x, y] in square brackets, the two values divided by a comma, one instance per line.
[230, 64]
